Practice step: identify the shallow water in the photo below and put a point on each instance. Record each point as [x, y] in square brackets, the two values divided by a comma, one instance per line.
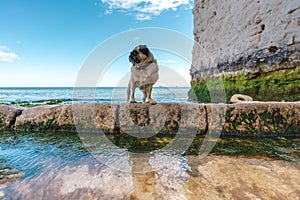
[60, 166]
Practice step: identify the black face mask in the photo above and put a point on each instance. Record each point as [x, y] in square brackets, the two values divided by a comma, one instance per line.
[144, 50]
[133, 57]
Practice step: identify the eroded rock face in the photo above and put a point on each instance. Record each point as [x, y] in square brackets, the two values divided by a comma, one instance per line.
[255, 118]
[84, 117]
[165, 118]
[91, 117]
[144, 120]
[231, 30]
[45, 118]
[8, 116]
[247, 43]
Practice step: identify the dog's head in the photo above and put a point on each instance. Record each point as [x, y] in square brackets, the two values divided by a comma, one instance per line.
[140, 54]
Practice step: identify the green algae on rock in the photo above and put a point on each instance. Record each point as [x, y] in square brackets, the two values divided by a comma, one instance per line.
[259, 119]
[280, 85]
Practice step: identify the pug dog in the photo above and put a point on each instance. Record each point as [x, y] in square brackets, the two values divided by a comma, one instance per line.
[144, 73]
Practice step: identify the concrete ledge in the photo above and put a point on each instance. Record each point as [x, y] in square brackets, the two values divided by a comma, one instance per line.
[8, 115]
[256, 118]
[267, 118]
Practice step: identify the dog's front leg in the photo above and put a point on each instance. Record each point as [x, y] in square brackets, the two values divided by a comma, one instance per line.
[144, 89]
[149, 91]
[132, 90]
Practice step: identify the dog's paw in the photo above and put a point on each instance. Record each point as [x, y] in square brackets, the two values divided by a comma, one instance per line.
[132, 102]
[152, 102]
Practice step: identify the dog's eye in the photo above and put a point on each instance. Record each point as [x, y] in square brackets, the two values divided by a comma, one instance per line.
[134, 52]
[145, 51]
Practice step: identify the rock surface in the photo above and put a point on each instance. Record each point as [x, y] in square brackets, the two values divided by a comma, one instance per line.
[166, 118]
[230, 30]
[255, 118]
[247, 43]
[144, 120]
[89, 117]
[8, 116]
[220, 177]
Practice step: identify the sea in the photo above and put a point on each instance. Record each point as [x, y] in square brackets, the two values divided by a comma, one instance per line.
[62, 165]
[68, 95]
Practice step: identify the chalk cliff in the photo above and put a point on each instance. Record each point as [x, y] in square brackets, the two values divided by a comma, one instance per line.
[253, 46]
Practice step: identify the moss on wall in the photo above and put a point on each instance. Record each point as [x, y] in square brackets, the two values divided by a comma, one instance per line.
[273, 86]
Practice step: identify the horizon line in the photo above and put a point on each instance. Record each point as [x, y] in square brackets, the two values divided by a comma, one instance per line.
[87, 87]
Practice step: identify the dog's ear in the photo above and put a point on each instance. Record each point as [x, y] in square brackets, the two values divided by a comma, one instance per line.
[133, 57]
[144, 49]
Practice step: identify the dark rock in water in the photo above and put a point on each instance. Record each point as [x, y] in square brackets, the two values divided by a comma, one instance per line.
[8, 175]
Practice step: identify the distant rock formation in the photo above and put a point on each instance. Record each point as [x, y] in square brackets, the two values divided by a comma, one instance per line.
[252, 118]
[253, 46]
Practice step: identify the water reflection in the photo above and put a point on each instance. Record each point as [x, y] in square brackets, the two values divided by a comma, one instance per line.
[197, 186]
[53, 167]
[143, 177]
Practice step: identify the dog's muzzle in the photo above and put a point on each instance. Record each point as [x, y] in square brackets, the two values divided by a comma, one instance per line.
[134, 57]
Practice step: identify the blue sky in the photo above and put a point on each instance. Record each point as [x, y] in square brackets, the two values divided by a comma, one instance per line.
[44, 43]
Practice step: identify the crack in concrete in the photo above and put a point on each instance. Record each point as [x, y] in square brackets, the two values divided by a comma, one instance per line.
[206, 120]
[12, 123]
[117, 119]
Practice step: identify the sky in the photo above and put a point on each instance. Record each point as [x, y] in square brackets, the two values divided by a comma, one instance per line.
[46, 43]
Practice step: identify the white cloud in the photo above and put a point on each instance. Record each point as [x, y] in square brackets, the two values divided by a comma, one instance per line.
[142, 17]
[145, 9]
[6, 55]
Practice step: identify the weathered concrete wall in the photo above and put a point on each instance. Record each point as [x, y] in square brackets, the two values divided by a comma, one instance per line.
[87, 117]
[8, 115]
[236, 119]
[247, 39]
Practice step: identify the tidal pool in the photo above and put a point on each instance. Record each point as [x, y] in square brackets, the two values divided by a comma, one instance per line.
[61, 166]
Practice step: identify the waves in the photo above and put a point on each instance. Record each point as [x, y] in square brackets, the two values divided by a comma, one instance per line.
[50, 96]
